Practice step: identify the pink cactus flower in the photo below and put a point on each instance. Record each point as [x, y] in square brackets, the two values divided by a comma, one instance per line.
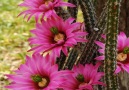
[43, 8]
[37, 73]
[55, 34]
[83, 78]
[123, 52]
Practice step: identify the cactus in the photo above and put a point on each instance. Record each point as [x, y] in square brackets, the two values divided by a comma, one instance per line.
[88, 14]
[75, 53]
[62, 13]
[111, 42]
[89, 18]
[90, 48]
[70, 61]
[73, 11]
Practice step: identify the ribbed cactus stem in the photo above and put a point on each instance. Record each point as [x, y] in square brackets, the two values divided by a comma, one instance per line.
[73, 10]
[62, 13]
[89, 19]
[88, 14]
[111, 43]
[72, 57]
[61, 61]
[103, 16]
[91, 48]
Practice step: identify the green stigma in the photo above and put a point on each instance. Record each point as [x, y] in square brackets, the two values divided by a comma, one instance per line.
[126, 50]
[80, 78]
[54, 30]
[37, 78]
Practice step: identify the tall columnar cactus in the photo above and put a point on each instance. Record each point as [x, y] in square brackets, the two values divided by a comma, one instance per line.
[90, 48]
[95, 35]
[88, 14]
[73, 10]
[62, 12]
[89, 19]
[111, 43]
[72, 58]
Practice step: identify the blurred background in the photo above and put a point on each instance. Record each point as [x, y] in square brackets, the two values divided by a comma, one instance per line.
[14, 32]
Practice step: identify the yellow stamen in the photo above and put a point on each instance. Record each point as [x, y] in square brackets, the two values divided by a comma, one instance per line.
[43, 83]
[83, 83]
[59, 37]
[121, 57]
[45, 53]
[47, 1]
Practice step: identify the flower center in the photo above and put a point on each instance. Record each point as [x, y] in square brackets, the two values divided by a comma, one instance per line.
[121, 57]
[59, 37]
[36, 78]
[126, 50]
[41, 81]
[54, 30]
[80, 78]
[46, 2]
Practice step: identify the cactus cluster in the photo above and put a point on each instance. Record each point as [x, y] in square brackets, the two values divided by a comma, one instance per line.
[71, 46]
[106, 23]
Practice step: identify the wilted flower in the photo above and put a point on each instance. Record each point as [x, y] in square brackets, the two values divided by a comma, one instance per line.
[83, 78]
[37, 73]
[122, 55]
[43, 8]
[55, 34]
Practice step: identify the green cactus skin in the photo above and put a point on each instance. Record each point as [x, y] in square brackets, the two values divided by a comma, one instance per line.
[73, 11]
[61, 60]
[88, 11]
[62, 13]
[72, 58]
[88, 14]
[75, 53]
[111, 43]
[91, 48]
